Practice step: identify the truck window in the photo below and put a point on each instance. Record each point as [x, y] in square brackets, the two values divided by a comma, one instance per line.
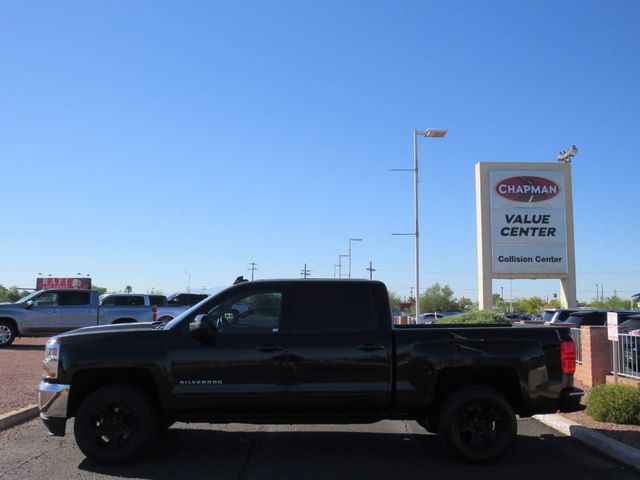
[74, 298]
[158, 300]
[249, 314]
[333, 309]
[49, 299]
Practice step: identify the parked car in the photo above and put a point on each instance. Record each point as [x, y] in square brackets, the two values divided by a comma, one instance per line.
[303, 351]
[557, 315]
[427, 318]
[48, 312]
[517, 316]
[630, 326]
[185, 299]
[593, 318]
[164, 312]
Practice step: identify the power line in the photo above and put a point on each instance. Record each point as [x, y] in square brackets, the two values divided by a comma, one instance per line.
[371, 270]
[253, 268]
[305, 273]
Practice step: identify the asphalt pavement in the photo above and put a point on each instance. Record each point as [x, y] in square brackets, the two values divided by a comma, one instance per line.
[390, 450]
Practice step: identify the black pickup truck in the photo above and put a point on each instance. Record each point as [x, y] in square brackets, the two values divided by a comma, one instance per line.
[303, 351]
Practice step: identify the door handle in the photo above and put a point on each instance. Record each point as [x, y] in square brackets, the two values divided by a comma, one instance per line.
[269, 348]
[370, 347]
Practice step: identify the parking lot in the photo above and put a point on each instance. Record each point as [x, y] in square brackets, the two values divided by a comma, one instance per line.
[389, 449]
[20, 371]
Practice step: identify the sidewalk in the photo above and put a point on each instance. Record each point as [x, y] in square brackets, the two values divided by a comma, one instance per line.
[628, 434]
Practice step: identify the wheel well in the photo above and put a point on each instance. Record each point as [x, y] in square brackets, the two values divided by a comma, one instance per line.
[123, 320]
[86, 381]
[503, 379]
[12, 322]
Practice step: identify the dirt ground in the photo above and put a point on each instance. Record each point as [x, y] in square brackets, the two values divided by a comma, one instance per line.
[20, 373]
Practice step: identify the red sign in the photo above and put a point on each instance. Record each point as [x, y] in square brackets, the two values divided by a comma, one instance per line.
[527, 189]
[45, 283]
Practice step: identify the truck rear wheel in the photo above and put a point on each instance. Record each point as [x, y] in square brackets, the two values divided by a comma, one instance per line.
[114, 424]
[477, 424]
[7, 333]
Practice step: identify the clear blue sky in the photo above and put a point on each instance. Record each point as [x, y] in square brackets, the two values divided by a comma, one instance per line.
[141, 139]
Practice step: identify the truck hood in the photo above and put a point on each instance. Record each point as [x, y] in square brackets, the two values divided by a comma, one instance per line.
[14, 306]
[120, 328]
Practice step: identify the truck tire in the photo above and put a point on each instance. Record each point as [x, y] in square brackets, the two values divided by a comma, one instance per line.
[7, 333]
[477, 424]
[115, 424]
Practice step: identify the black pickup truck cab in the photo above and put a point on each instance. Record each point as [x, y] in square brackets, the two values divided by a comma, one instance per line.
[303, 351]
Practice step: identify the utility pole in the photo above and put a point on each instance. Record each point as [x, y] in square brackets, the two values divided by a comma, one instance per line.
[305, 273]
[334, 270]
[189, 285]
[352, 240]
[204, 289]
[597, 291]
[340, 257]
[371, 270]
[253, 268]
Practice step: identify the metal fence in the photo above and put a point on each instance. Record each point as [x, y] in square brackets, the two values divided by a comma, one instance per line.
[575, 334]
[627, 350]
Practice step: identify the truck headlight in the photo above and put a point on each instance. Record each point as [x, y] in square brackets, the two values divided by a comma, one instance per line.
[50, 362]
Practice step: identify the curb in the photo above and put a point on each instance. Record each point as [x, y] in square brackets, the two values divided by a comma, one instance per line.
[16, 417]
[598, 441]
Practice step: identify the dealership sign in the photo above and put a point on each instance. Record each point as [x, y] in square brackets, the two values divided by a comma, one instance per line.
[528, 221]
[524, 214]
[44, 283]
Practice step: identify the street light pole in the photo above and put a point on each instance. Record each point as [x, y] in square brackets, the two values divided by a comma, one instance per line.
[430, 133]
[352, 240]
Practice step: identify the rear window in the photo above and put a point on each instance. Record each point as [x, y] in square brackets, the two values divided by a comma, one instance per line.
[158, 300]
[124, 301]
[563, 315]
[74, 298]
[576, 319]
[547, 316]
[328, 309]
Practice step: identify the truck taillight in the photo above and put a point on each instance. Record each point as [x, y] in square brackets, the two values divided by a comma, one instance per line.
[154, 310]
[568, 357]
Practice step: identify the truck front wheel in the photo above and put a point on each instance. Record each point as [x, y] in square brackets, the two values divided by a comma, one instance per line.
[7, 333]
[477, 424]
[114, 424]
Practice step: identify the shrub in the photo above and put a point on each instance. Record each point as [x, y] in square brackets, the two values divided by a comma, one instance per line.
[476, 316]
[615, 403]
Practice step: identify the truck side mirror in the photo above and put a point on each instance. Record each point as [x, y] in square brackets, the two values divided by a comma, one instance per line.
[29, 304]
[201, 325]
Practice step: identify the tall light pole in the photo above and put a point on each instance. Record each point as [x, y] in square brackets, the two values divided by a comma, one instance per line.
[352, 240]
[189, 285]
[430, 133]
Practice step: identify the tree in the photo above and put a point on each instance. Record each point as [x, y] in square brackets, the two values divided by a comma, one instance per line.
[128, 289]
[98, 289]
[12, 294]
[611, 303]
[395, 301]
[531, 305]
[438, 299]
[464, 304]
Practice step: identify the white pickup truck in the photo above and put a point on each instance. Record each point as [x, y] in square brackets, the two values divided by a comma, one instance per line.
[49, 312]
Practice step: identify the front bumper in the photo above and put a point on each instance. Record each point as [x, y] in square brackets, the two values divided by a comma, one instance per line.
[53, 399]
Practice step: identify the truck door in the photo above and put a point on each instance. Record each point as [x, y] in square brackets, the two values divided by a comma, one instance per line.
[241, 367]
[339, 352]
[44, 315]
[76, 310]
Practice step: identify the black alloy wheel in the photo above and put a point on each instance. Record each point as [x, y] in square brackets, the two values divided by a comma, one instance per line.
[477, 424]
[115, 424]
